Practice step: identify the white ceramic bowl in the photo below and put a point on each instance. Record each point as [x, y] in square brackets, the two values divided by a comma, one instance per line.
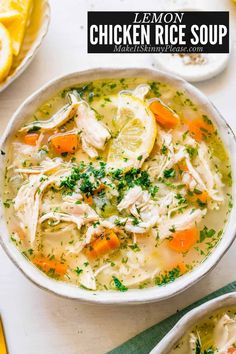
[190, 319]
[136, 295]
[31, 43]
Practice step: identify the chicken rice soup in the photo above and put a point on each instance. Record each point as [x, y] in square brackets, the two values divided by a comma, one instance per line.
[117, 184]
[215, 334]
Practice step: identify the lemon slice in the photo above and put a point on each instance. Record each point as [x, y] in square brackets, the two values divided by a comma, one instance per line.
[137, 132]
[18, 26]
[5, 52]
[8, 16]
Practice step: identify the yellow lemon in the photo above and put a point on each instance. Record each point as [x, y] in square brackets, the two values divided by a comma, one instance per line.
[137, 130]
[5, 52]
[8, 16]
[17, 26]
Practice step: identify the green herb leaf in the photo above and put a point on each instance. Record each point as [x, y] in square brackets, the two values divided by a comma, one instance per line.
[169, 173]
[206, 233]
[119, 286]
[78, 270]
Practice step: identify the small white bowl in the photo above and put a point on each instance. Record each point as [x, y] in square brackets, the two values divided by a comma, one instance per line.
[31, 43]
[133, 296]
[191, 319]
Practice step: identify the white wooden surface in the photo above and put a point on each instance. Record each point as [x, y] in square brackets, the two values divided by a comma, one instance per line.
[37, 322]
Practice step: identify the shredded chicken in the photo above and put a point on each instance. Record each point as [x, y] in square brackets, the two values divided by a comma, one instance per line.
[141, 91]
[61, 117]
[138, 203]
[28, 200]
[94, 134]
[224, 334]
[80, 214]
[48, 165]
[184, 221]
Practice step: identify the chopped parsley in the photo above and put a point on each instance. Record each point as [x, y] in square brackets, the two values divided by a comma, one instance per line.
[206, 233]
[134, 177]
[118, 284]
[153, 191]
[34, 128]
[191, 151]
[164, 150]
[169, 173]
[78, 271]
[168, 277]
[7, 203]
[88, 176]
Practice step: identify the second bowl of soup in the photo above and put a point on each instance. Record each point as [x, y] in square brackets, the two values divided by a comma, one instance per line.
[117, 183]
[208, 329]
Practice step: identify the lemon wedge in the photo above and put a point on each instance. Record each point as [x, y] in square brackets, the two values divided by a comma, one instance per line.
[17, 26]
[8, 16]
[5, 52]
[137, 130]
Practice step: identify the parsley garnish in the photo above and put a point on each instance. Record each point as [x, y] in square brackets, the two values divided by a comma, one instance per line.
[169, 173]
[78, 270]
[34, 128]
[206, 233]
[168, 277]
[119, 286]
[191, 151]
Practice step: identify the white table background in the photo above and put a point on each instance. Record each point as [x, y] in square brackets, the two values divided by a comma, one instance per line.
[35, 321]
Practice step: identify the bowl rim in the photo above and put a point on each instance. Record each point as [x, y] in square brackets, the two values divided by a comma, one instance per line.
[133, 296]
[43, 30]
[190, 319]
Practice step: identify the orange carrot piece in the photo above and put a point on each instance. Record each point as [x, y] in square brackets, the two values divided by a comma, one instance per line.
[100, 188]
[46, 265]
[164, 115]
[202, 197]
[102, 245]
[183, 166]
[65, 143]
[232, 350]
[198, 128]
[31, 139]
[182, 267]
[182, 241]
[88, 199]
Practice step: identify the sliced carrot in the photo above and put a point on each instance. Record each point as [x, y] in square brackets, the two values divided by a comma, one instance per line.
[88, 199]
[232, 350]
[100, 188]
[182, 241]
[107, 242]
[202, 197]
[65, 143]
[31, 138]
[182, 267]
[164, 115]
[46, 265]
[199, 128]
[183, 166]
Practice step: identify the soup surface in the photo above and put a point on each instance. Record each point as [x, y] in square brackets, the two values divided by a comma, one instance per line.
[117, 184]
[215, 334]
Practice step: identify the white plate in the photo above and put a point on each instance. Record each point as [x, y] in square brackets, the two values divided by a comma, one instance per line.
[214, 65]
[31, 43]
